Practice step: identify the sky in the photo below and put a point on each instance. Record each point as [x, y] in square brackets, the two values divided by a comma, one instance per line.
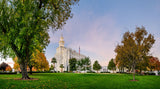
[97, 27]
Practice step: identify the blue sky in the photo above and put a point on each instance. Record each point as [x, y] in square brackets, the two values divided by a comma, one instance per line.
[98, 26]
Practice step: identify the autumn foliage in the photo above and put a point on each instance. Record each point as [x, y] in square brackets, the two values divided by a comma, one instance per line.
[38, 61]
[16, 65]
[8, 68]
[154, 64]
[5, 67]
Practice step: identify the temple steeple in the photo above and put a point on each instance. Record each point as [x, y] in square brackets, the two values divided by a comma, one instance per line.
[61, 42]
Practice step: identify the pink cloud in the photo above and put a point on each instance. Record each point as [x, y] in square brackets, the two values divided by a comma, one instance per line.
[99, 37]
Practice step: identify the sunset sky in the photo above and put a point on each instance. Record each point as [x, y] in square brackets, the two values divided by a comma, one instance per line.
[97, 27]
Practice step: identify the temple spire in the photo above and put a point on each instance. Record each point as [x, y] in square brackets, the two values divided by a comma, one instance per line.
[61, 42]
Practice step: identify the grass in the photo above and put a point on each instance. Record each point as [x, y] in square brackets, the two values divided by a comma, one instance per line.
[80, 81]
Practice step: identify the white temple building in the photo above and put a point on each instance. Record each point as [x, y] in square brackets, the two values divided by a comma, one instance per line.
[63, 55]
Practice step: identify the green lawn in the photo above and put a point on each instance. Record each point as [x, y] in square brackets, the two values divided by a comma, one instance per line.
[80, 81]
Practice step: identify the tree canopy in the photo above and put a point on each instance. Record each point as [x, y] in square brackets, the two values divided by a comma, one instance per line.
[8, 68]
[96, 66]
[112, 65]
[154, 64]
[134, 48]
[84, 64]
[38, 62]
[61, 66]
[53, 61]
[72, 64]
[24, 26]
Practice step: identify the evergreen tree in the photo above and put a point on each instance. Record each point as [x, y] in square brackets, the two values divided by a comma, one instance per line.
[61, 66]
[96, 66]
[111, 65]
[72, 64]
[54, 61]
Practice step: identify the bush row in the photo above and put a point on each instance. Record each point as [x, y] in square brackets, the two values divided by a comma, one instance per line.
[71, 72]
[8, 72]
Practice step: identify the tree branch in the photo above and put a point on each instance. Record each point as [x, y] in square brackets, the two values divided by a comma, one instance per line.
[40, 4]
[15, 49]
[3, 29]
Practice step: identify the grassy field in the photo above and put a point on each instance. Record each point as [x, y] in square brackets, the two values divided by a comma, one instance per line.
[80, 81]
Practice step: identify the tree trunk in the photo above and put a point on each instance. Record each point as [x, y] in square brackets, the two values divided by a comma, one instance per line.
[30, 69]
[61, 70]
[133, 74]
[123, 69]
[23, 67]
[97, 71]
[54, 67]
[140, 71]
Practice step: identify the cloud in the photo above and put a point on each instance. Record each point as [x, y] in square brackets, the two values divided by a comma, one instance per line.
[155, 49]
[97, 36]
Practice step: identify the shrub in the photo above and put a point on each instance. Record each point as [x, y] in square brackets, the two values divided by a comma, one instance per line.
[106, 72]
[147, 73]
[91, 72]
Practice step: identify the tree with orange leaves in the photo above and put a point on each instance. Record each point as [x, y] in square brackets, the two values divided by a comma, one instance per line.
[154, 64]
[16, 65]
[134, 48]
[38, 62]
[8, 68]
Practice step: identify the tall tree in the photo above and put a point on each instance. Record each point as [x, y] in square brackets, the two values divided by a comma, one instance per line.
[24, 26]
[111, 65]
[54, 61]
[72, 64]
[96, 66]
[134, 47]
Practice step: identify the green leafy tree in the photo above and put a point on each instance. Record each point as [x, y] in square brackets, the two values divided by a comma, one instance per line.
[134, 48]
[84, 64]
[72, 64]
[79, 65]
[61, 66]
[111, 65]
[54, 61]
[51, 68]
[24, 26]
[96, 66]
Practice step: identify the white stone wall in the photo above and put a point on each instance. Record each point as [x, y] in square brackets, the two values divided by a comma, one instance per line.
[63, 55]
